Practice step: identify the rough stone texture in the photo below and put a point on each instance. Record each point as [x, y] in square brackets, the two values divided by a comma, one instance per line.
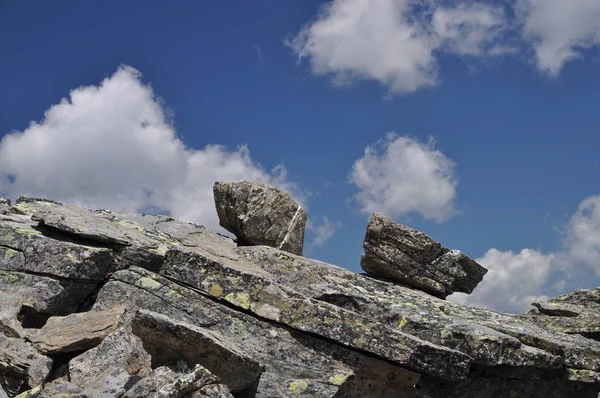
[574, 313]
[283, 352]
[76, 332]
[21, 366]
[120, 350]
[277, 303]
[259, 214]
[296, 327]
[399, 253]
[168, 341]
[178, 380]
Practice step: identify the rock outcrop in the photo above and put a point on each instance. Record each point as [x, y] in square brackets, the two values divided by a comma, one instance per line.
[259, 214]
[401, 254]
[99, 304]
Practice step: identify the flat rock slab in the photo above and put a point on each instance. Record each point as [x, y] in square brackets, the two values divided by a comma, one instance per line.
[168, 340]
[259, 214]
[23, 248]
[399, 253]
[270, 300]
[77, 332]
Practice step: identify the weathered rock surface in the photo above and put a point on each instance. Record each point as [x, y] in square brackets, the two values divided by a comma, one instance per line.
[21, 367]
[150, 306]
[399, 253]
[259, 214]
[76, 332]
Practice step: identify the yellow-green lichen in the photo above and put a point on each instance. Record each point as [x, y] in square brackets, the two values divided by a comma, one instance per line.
[70, 256]
[216, 290]
[159, 251]
[27, 231]
[240, 299]
[34, 392]
[9, 253]
[402, 322]
[12, 278]
[298, 386]
[147, 283]
[339, 379]
[8, 237]
[329, 320]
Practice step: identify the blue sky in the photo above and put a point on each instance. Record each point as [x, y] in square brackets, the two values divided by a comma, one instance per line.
[475, 122]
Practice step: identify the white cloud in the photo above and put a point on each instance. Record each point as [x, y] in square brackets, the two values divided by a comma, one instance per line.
[394, 41]
[112, 146]
[559, 29]
[399, 175]
[513, 281]
[323, 231]
[582, 236]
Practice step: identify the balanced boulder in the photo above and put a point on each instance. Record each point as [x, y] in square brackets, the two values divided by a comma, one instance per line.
[259, 214]
[402, 254]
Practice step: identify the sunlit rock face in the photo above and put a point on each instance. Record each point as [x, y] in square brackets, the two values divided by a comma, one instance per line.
[99, 304]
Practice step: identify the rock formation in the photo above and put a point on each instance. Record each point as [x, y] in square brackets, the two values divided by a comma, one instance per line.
[402, 254]
[259, 214]
[98, 304]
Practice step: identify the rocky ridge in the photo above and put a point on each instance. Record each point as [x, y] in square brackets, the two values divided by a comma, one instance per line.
[99, 304]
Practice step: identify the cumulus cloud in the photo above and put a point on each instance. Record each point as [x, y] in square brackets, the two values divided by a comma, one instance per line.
[399, 175]
[113, 146]
[515, 280]
[394, 41]
[323, 231]
[559, 30]
[582, 236]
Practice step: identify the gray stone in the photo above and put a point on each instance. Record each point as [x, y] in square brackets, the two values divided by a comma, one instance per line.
[21, 365]
[177, 380]
[168, 341]
[119, 350]
[284, 352]
[77, 332]
[278, 303]
[259, 214]
[401, 254]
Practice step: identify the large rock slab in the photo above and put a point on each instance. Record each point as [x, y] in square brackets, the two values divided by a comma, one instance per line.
[77, 332]
[259, 214]
[312, 366]
[21, 366]
[168, 340]
[399, 253]
[267, 299]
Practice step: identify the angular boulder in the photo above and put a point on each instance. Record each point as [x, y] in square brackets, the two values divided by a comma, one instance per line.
[402, 254]
[259, 214]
